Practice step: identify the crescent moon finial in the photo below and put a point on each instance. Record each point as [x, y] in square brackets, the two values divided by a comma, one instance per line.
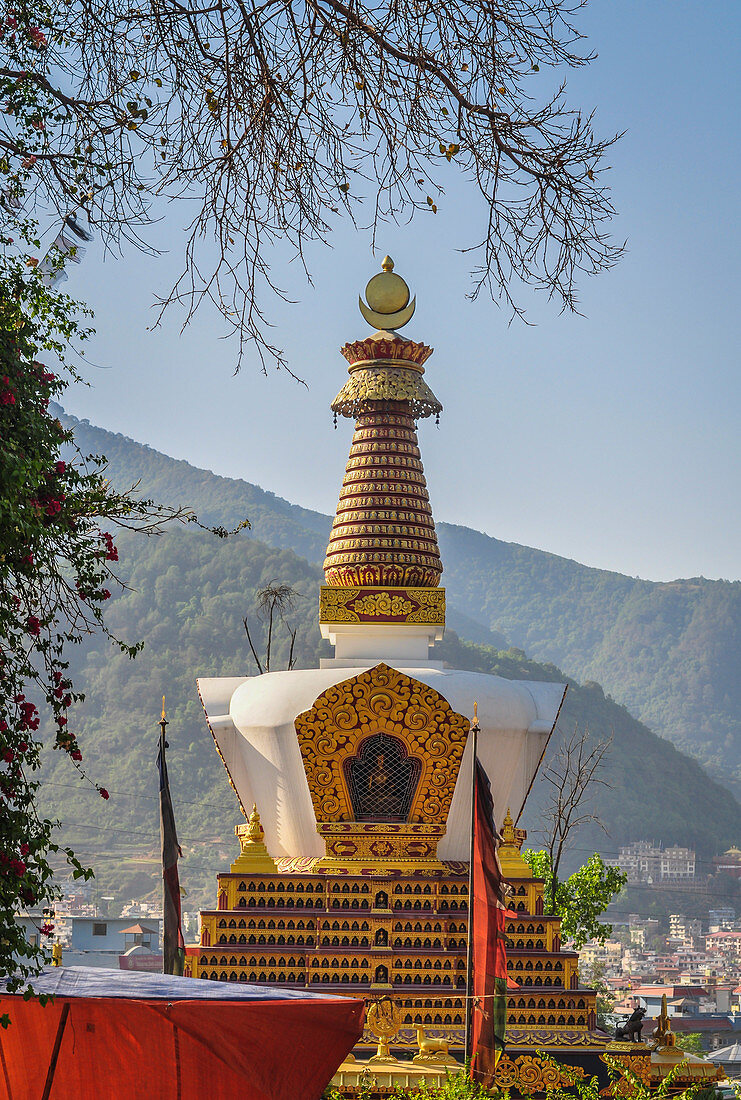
[387, 304]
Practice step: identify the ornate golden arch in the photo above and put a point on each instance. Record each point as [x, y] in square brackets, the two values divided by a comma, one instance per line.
[382, 700]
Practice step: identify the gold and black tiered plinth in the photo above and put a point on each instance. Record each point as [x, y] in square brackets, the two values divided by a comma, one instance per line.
[380, 932]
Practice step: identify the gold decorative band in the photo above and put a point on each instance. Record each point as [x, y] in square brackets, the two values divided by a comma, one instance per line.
[404, 364]
[374, 605]
[397, 847]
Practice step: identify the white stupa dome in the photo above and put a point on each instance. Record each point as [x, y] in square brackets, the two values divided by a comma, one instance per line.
[252, 721]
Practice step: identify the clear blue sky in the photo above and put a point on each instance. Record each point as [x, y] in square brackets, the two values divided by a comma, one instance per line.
[610, 438]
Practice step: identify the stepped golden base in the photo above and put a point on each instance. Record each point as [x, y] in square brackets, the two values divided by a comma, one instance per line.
[392, 1074]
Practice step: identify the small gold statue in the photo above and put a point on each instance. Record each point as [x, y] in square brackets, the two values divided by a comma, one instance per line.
[663, 1036]
[432, 1051]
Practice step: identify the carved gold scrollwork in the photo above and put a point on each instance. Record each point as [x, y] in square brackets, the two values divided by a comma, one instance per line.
[530, 1074]
[381, 603]
[408, 605]
[382, 700]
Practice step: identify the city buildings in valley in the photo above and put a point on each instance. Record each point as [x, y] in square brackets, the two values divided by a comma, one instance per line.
[645, 862]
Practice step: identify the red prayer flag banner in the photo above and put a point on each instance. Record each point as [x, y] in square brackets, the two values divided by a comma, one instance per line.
[487, 917]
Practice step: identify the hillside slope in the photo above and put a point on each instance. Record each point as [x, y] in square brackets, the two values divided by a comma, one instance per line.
[670, 652]
[186, 597]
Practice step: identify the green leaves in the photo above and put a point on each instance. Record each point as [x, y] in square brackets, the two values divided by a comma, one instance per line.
[449, 151]
[581, 899]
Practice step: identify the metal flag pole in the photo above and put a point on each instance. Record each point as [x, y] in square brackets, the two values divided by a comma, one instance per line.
[162, 764]
[469, 947]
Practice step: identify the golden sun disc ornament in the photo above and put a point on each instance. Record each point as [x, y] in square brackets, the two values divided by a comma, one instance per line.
[388, 306]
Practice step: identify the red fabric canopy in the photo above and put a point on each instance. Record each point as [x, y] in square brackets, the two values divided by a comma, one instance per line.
[127, 1049]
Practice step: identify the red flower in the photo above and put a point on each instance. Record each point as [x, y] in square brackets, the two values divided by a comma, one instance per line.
[103, 793]
[8, 756]
[37, 37]
[33, 625]
[22, 746]
[29, 717]
[76, 755]
[60, 467]
[7, 399]
[105, 594]
[111, 551]
[24, 849]
[61, 720]
[47, 929]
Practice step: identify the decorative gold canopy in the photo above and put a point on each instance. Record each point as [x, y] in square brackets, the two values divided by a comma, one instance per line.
[384, 701]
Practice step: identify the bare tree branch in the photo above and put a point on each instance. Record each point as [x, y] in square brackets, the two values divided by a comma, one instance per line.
[275, 117]
[573, 774]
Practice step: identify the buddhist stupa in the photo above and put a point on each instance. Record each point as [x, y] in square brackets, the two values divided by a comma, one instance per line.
[381, 607]
[355, 780]
[355, 777]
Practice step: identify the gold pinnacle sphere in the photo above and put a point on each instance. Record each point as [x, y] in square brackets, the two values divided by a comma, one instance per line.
[387, 297]
[386, 292]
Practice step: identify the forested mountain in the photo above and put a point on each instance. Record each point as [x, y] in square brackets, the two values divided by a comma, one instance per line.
[669, 651]
[186, 597]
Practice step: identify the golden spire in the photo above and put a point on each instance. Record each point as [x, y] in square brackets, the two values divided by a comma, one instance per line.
[253, 856]
[255, 830]
[164, 716]
[387, 295]
[513, 865]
